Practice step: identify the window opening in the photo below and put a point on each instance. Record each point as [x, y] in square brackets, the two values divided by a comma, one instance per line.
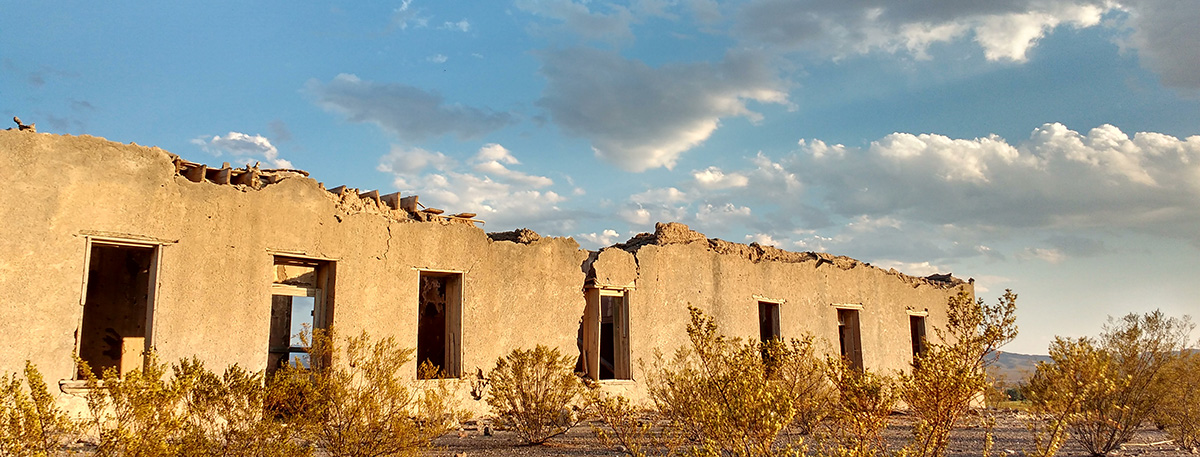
[299, 304]
[768, 321]
[916, 325]
[849, 338]
[439, 327]
[768, 327]
[606, 334]
[117, 305]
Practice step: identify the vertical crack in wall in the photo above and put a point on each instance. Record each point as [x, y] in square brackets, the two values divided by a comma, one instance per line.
[388, 244]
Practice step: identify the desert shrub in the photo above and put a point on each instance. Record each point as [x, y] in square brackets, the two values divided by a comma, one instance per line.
[136, 414]
[357, 402]
[797, 369]
[533, 391]
[1179, 412]
[719, 391]
[951, 374]
[635, 431]
[1102, 390]
[860, 414]
[224, 414]
[1061, 390]
[30, 422]
[191, 412]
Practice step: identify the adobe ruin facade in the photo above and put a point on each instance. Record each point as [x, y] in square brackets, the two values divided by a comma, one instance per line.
[109, 249]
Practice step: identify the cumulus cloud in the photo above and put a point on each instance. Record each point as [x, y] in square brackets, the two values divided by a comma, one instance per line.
[659, 195]
[719, 217]
[484, 184]
[1005, 29]
[1058, 178]
[411, 113]
[243, 147]
[645, 215]
[407, 162]
[714, 178]
[576, 18]
[1164, 33]
[606, 238]
[762, 239]
[640, 117]
[491, 160]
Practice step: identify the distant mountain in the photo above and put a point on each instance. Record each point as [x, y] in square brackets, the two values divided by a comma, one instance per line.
[1013, 368]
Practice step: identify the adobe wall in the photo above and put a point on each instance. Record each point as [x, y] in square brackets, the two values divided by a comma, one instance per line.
[217, 266]
[214, 283]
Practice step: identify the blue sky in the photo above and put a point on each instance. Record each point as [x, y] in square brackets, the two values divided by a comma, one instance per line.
[1048, 146]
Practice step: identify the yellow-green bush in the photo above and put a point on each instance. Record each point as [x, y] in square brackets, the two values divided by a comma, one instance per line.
[636, 431]
[138, 414]
[950, 374]
[796, 367]
[224, 414]
[352, 401]
[30, 422]
[720, 392]
[192, 412]
[359, 401]
[533, 392]
[860, 414]
[1100, 391]
[1179, 412]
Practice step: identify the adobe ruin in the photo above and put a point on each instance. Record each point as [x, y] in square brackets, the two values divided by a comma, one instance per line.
[109, 249]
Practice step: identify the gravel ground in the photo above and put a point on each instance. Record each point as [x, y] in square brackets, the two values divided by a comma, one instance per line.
[1009, 435]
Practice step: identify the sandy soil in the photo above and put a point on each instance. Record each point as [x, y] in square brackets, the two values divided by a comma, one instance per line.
[1010, 437]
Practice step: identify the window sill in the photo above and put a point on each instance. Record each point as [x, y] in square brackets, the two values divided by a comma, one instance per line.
[617, 382]
[76, 386]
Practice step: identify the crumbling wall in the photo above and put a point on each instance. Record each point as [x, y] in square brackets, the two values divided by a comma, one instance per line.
[676, 267]
[218, 242]
[219, 234]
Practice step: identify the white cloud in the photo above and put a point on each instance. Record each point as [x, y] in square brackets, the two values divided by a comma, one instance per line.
[461, 26]
[910, 268]
[659, 195]
[718, 217]
[411, 113]
[762, 239]
[1058, 178]
[243, 147]
[497, 194]
[493, 152]
[402, 161]
[606, 238]
[640, 117]
[1005, 29]
[714, 178]
[405, 16]
[638, 216]
[491, 160]
[437, 58]
[645, 215]
[1049, 255]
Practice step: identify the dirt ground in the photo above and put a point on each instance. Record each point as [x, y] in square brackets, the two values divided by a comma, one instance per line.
[1009, 435]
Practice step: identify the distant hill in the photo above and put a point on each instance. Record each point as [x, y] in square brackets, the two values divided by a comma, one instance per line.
[1013, 368]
